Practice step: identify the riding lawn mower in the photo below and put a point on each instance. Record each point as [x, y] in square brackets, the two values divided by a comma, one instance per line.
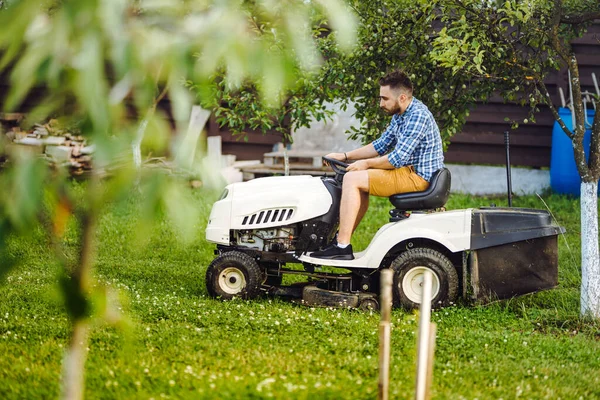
[266, 229]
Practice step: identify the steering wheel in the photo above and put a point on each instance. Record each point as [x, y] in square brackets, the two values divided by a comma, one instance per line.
[339, 167]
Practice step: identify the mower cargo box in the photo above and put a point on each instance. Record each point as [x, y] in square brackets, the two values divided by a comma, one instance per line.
[513, 252]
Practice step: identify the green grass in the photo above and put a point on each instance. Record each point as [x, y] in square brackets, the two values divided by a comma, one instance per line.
[174, 342]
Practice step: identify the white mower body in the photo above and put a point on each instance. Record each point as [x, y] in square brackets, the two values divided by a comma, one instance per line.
[267, 203]
[272, 202]
[451, 229]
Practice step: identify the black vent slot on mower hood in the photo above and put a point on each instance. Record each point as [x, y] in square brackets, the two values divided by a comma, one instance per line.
[268, 216]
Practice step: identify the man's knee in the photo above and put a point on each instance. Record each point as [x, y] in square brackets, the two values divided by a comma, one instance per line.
[356, 180]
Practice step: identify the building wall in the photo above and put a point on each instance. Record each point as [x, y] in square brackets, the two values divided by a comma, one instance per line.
[253, 148]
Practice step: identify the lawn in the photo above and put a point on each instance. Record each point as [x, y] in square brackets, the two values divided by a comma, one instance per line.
[172, 341]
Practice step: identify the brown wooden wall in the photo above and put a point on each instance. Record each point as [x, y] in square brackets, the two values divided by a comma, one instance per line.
[252, 149]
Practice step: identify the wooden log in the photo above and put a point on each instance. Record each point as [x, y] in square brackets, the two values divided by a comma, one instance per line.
[423, 338]
[12, 117]
[387, 277]
[60, 154]
[432, 332]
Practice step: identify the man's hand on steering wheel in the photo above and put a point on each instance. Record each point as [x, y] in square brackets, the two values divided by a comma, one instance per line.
[359, 165]
[339, 167]
[336, 156]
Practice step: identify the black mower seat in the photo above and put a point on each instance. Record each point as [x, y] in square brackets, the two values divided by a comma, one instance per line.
[434, 196]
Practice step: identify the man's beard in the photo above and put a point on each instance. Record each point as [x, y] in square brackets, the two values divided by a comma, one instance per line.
[393, 110]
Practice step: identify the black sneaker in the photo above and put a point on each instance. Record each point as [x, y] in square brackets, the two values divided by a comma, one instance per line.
[333, 252]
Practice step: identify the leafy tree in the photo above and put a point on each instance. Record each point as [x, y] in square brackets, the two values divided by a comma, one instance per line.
[101, 62]
[511, 46]
[243, 106]
[391, 34]
[396, 34]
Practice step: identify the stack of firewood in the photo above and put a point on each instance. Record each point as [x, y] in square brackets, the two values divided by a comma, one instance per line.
[58, 146]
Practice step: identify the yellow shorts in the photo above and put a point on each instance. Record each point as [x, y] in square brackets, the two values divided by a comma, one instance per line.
[386, 182]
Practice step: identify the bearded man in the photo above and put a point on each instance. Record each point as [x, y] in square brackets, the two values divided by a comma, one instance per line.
[401, 160]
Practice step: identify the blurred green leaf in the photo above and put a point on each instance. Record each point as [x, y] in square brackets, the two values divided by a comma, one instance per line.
[101, 64]
[182, 210]
[24, 192]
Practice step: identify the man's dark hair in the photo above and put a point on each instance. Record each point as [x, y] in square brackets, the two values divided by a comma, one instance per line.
[397, 80]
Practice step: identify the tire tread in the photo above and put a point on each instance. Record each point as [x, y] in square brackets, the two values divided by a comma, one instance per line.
[433, 256]
[251, 269]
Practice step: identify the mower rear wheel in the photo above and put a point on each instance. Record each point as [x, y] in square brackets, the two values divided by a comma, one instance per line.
[409, 268]
[234, 274]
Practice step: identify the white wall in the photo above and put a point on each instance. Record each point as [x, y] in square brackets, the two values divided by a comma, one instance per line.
[328, 136]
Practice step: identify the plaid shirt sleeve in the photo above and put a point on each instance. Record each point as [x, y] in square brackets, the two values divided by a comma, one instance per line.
[387, 140]
[415, 128]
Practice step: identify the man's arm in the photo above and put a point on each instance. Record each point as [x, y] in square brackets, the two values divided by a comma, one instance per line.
[375, 162]
[366, 156]
[361, 153]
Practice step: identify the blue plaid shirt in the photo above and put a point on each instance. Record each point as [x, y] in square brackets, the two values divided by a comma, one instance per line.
[414, 139]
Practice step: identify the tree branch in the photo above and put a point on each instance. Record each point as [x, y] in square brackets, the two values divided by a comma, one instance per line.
[555, 33]
[580, 18]
[594, 160]
[580, 119]
[548, 101]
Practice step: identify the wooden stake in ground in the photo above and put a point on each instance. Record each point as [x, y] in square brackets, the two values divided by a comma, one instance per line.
[425, 342]
[385, 333]
[432, 331]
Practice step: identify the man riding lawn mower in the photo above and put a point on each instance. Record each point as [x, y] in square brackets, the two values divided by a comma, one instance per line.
[265, 224]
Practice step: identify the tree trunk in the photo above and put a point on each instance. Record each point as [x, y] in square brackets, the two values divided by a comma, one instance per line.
[286, 161]
[136, 146]
[73, 379]
[74, 362]
[590, 255]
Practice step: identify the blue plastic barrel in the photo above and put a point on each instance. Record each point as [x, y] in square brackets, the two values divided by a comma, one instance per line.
[564, 177]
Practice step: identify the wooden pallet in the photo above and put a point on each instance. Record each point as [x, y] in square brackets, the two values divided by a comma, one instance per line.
[312, 158]
[301, 163]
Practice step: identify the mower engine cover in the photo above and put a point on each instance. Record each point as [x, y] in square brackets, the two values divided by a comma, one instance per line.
[266, 203]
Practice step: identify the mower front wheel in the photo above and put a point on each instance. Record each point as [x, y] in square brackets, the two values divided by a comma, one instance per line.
[409, 268]
[234, 274]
